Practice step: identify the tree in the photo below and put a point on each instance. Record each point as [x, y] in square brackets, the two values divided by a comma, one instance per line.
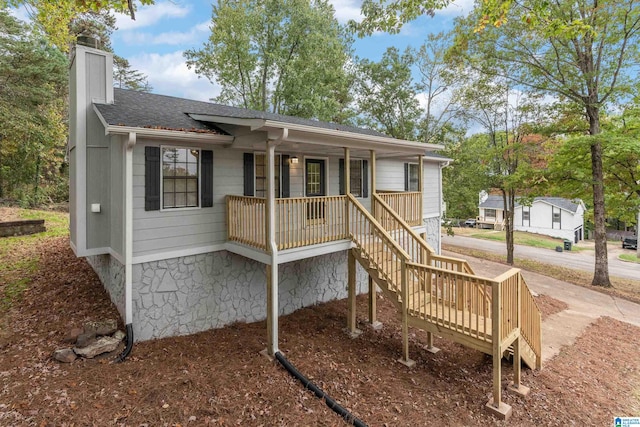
[283, 56]
[584, 52]
[437, 83]
[386, 96]
[507, 150]
[33, 77]
[392, 15]
[126, 78]
[54, 17]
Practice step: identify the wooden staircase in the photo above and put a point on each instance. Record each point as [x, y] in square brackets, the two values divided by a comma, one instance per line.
[442, 295]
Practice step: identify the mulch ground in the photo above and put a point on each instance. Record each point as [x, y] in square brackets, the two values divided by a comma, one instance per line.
[218, 377]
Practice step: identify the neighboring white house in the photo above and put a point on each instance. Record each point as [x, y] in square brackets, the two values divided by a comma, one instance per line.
[551, 216]
[169, 200]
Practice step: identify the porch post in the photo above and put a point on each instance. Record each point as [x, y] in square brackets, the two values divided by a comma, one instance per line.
[421, 187]
[351, 261]
[373, 309]
[272, 249]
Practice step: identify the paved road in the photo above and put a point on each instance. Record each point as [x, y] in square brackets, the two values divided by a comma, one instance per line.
[578, 260]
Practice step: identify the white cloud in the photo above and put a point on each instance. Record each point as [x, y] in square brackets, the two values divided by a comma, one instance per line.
[170, 38]
[149, 15]
[21, 13]
[346, 10]
[457, 8]
[169, 75]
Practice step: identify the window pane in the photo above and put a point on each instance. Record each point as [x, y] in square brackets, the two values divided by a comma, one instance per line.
[414, 175]
[180, 169]
[192, 185]
[169, 201]
[356, 177]
[261, 174]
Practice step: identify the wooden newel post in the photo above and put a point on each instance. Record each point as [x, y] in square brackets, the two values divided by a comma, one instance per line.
[495, 404]
[405, 360]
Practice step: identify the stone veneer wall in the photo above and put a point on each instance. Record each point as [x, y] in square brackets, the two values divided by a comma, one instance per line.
[433, 232]
[190, 294]
[111, 273]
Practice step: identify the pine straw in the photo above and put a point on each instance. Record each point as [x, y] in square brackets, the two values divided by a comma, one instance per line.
[218, 378]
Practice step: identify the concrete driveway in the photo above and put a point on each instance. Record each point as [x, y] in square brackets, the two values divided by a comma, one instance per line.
[578, 260]
[585, 305]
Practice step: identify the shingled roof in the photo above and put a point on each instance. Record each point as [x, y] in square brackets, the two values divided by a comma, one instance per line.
[496, 202]
[148, 110]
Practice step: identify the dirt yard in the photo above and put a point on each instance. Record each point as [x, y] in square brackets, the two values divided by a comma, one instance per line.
[218, 377]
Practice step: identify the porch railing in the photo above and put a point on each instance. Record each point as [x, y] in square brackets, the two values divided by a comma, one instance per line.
[406, 204]
[304, 221]
[245, 221]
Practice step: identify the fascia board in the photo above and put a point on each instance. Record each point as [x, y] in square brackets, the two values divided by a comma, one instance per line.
[168, 134]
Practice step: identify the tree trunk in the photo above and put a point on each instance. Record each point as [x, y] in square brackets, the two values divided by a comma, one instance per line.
[601, 269]
[508, 200]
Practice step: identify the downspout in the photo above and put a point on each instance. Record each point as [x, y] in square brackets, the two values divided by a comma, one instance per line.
[442, 166]
[128, 245]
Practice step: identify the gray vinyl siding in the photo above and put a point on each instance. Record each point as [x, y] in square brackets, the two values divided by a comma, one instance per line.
[98, 157]
[73, 219]
[431, 191]
[117, 194]
[390, 174]
[182, 229]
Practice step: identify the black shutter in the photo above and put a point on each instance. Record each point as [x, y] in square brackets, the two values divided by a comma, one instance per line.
[285, 176]
[206, 180]
[151, 178]
[365, 179]
[406, 177]
[248, 174]
[341, 177]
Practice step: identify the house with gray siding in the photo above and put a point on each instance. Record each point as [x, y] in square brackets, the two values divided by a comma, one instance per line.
[187, 209]
[551, 216]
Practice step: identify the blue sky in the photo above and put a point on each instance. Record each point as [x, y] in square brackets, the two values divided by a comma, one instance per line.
[155, 41]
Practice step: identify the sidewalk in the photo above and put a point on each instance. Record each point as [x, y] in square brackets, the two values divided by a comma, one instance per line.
[585, 305]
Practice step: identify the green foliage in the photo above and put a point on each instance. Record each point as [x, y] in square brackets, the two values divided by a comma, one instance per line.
[126, 78]
[55, 17]
[283, 56]
[387, 96]
[390, 16]
[33, 76]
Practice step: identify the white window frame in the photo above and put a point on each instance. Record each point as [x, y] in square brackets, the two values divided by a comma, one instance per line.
[255, 175]
[361, 161]
[528, 212]
[417, 166]
[553, 221]
[495, 214]
[186, 208]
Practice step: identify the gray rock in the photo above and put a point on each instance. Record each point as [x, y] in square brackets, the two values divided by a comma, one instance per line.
[85, 339]
[64, 355]
[72, 336]
[102, 328]
[100, 346]
[119, 335]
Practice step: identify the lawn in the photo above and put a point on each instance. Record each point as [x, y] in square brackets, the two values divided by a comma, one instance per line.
[521, 238]
[219, 378]
[629, 257]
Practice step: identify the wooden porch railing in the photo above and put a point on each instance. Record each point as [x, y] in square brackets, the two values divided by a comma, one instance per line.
[245, 221]
[407, 204]
[530, 321]
[304, 221]
[446, 296]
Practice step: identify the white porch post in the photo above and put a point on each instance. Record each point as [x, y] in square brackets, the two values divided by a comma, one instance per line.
[272, 247]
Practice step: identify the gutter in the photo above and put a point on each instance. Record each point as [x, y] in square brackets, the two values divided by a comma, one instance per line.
[128, 244]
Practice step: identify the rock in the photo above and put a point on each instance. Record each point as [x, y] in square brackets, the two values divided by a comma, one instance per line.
[119, 335]
[102, 328]
[101, 345]
[64, 355]
[72, 335]
[85, 339]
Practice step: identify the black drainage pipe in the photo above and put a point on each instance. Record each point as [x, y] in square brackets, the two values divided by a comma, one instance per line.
[128, 347]
[335, 407]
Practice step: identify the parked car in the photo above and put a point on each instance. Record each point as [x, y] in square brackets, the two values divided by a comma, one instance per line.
[630, 243]
[470, 222]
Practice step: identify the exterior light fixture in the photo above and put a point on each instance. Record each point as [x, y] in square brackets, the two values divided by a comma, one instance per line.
[294, 160]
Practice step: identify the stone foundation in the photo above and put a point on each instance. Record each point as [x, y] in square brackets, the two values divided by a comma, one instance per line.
[433, 231]
[185, 295]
